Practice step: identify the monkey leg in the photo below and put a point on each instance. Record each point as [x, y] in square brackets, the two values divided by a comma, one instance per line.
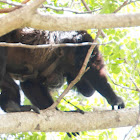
[97, 78]
[10, 97]
[3, 57]
[37, 93]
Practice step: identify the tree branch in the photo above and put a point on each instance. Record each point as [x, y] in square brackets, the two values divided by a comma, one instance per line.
[124, 4]
[83, 22]
[7, 10]
[19, 18]
[20, 45]
[122, 85]
[57, 121]
[27, 17]
[68, 9]
[12, 3]
[85, 5]
[80, 74]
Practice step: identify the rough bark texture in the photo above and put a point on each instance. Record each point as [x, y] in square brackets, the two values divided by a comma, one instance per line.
[84, 21]
[57, 121]
[28, 17]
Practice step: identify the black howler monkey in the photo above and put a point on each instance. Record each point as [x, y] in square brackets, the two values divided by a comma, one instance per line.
[40, 70]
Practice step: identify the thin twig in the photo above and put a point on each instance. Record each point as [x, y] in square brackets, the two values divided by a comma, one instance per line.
[124, 4]
[20, 45]
[88, 9]
[84, 3]
[12, 3]
[121, 85]
[137, 88]
[68, 9]
[129, 132]
[134, 84]
[70, 103]
[80, 74]
[8, 10]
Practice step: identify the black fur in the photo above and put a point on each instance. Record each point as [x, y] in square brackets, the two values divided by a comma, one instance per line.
[42, 70]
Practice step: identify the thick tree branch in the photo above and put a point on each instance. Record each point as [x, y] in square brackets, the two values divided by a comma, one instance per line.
[19, 18]
[28, 17]
[57, 121]
[83, 22]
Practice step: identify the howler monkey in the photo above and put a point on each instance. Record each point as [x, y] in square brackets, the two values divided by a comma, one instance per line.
[43, 69]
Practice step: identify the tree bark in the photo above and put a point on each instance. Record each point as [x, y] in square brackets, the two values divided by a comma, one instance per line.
[58, 121]
[84, 21]
[28, 16]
